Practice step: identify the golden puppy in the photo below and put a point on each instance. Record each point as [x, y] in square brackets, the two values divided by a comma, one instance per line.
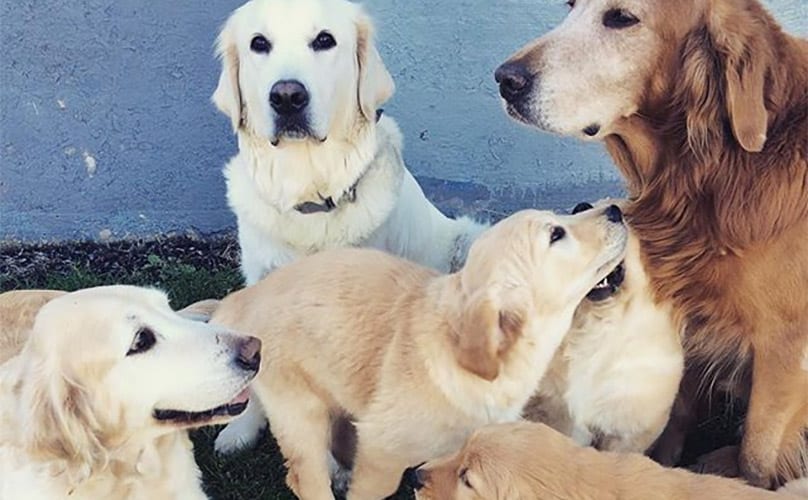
[613, 381]
[96, 404]
[527, 461]
[416, 358]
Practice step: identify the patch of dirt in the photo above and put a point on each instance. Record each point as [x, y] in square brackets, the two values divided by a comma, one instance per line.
[34, 265]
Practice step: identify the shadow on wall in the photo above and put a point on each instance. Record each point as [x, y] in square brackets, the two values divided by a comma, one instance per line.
[107, 128]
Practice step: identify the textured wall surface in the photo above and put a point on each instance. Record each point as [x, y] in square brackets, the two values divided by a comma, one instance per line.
[106, 128]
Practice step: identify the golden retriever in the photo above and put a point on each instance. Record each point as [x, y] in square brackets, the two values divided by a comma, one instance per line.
[415, 358]
[703, 106]
[613, 381]
[529, 461]
[96, 404]
[318, 165]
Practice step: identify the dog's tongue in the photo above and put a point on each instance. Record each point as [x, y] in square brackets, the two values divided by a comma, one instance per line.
[241, 397]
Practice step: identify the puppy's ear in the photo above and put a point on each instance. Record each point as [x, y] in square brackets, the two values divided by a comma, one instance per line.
[486, 333]
[374, 85]
[61, 423]
[227, 96]
[723, 69]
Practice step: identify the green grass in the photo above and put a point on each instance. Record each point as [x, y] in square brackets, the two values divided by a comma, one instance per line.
[255, 474]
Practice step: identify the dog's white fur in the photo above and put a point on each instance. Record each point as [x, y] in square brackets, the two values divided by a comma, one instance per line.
[76, 410]
[613, 381]
[272, 174]
[418, 359]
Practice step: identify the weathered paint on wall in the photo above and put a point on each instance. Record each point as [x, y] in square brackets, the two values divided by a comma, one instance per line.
[106, 127]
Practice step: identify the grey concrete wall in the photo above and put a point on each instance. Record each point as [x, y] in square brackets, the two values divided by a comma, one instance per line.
[106, 128]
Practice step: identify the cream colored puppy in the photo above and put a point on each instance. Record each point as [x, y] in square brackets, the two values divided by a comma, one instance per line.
[527, 461]
[318, 165]
[96, 404]
[416, 358]
[613, 381]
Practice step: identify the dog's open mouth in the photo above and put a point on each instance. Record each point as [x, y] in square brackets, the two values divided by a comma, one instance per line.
[230, 409]
[609, 285]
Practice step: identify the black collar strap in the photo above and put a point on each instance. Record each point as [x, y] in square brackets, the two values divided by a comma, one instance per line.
[327, 204]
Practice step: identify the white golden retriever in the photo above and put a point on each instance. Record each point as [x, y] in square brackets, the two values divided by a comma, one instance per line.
[318, 165]
[97, 403]
[613, 381]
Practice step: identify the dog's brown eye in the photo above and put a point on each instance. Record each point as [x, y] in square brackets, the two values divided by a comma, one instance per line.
[570, 3]
[464, 477]
[557, 234]
[324, 41]
[143, 341]
[619, 18]
[260, 45]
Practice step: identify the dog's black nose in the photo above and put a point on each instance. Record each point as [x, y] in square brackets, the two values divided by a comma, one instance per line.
[514, 81]
[581, 207]
[414, 478]
[288, 97]
[614, 214]
[249, 354]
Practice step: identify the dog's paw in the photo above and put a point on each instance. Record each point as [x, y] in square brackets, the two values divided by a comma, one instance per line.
[236, 437]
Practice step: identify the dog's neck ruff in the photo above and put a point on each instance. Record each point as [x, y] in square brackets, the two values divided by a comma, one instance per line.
[327, 204]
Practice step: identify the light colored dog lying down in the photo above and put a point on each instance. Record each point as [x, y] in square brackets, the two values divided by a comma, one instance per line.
[318, 165]
[528, 461]
[613, 381]
[97, 403]
[416, 358]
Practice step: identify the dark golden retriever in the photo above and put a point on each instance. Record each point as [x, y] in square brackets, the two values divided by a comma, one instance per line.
[703, 105]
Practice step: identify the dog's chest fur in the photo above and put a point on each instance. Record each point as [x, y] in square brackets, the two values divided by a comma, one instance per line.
[264, 184]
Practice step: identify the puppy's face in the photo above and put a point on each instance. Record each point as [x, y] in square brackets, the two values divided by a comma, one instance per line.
[594, 67]
[497, 462]
[611, 286]
[109, 363]
[299, 70]
[534, 263]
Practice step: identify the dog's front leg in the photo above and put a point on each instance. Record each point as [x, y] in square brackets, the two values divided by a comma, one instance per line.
[776, 419]
[377, 471]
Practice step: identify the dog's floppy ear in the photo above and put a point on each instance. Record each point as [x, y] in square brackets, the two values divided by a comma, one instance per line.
[227, 96]
[60, 422]
[486, 332]
[374, 85]
[721, 79]
[745, 67]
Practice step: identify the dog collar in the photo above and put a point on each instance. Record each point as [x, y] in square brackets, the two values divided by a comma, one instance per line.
[326, 205]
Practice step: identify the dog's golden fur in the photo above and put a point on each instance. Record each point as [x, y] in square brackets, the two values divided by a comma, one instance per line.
[714, 147]
[527, 461]
[416, 358]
